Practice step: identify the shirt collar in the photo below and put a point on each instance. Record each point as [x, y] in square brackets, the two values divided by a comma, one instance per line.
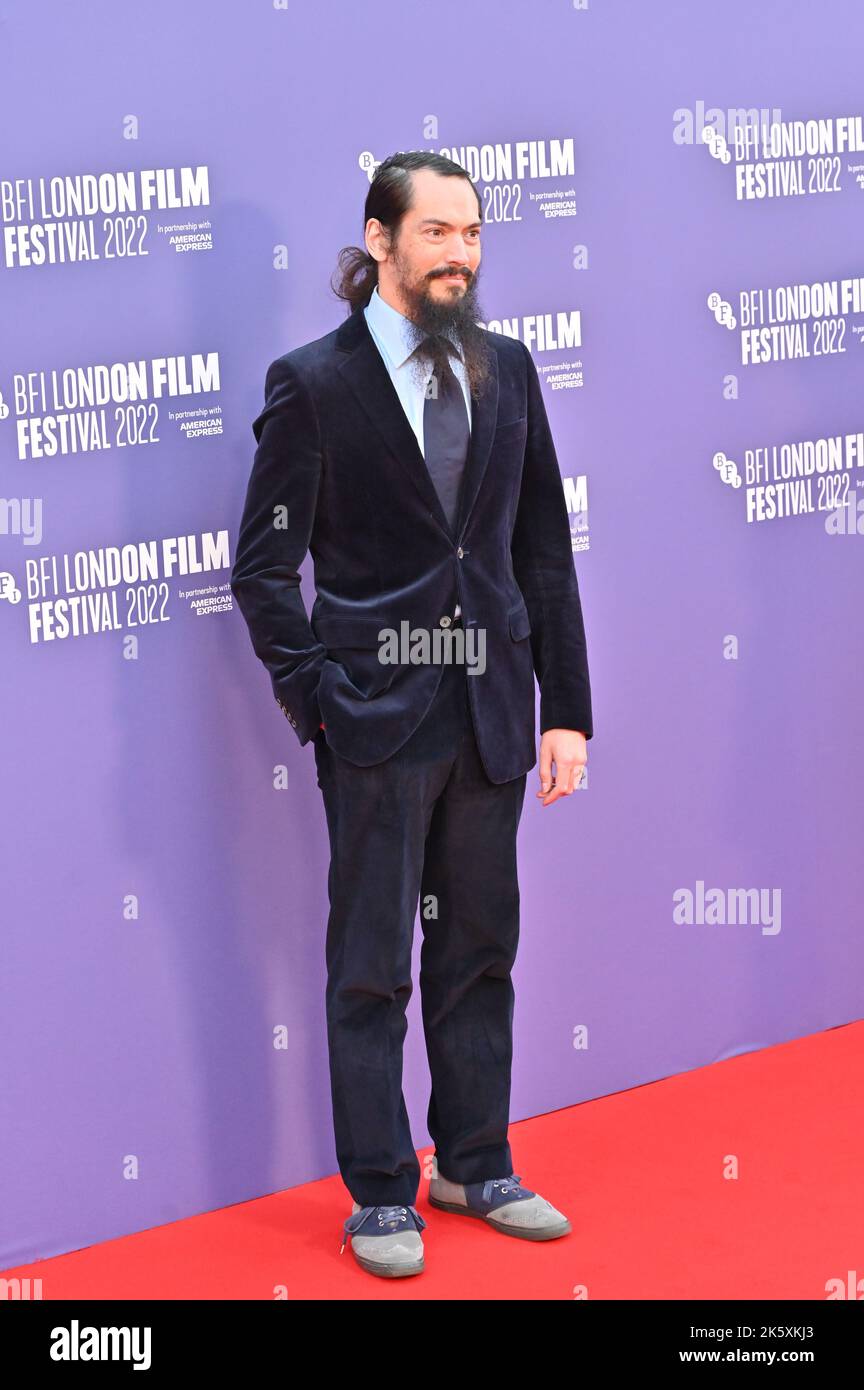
[394, 329]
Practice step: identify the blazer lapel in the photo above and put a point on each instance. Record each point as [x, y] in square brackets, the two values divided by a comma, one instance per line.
[364, 371]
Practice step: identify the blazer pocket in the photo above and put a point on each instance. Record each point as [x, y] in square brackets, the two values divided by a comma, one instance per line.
[348, 631]
[353, 644]
[521, 423]
[520, 623]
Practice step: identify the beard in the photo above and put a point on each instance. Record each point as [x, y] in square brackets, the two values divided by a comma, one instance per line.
[443, 321]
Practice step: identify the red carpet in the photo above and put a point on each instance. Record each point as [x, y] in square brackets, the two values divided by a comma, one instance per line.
[640, 1175]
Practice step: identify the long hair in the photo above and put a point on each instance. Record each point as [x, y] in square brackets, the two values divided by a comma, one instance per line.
[390, 196]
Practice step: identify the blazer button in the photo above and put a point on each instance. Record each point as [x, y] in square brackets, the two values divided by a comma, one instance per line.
[444, 622]
[460, 552]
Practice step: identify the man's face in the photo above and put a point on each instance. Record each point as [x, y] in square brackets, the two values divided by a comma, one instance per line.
[430, 273]
[438, 248]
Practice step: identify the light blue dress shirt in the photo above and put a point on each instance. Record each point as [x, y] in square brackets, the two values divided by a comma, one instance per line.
[390, 331]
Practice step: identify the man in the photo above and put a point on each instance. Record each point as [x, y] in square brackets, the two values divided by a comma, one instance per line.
[410, 452]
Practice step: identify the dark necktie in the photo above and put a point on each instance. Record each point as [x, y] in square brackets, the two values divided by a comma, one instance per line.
[446, 435]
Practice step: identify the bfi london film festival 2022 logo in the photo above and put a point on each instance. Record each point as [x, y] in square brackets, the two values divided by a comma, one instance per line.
[95, 407]
[776, 159]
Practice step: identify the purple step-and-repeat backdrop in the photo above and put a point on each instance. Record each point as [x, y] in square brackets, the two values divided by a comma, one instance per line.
[673, 198]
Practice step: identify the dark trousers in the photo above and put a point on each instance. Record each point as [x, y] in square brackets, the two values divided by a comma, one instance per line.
[425, 824]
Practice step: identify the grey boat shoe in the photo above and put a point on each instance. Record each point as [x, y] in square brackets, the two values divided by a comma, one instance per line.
[386, 1240]
[502, 1203]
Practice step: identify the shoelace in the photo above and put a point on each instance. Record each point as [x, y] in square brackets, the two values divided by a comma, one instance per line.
[508, 1187]
[387, 1216]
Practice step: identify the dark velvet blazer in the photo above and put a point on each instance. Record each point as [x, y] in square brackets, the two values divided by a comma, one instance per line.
[338, 472]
